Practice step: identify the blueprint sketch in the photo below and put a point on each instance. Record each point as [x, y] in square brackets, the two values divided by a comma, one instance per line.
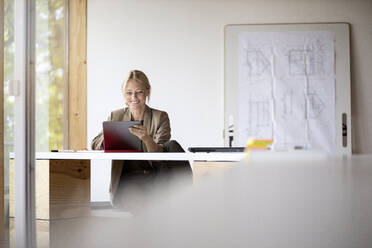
[287, 88]
[257, 117]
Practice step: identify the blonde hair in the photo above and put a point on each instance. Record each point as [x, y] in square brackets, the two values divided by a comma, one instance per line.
[140, 77]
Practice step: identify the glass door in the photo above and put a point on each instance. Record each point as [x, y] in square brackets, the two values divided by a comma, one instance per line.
[23, 91]
[34, 106]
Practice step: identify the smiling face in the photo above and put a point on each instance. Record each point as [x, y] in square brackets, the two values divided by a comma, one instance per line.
[135, 95]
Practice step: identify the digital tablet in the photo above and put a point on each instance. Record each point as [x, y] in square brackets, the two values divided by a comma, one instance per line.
[118, 138]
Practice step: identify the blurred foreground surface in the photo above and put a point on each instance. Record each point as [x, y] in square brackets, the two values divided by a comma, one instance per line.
[270, 204]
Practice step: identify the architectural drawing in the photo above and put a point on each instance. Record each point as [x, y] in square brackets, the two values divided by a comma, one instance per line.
[286, 66]
[258, 116]
[259, 113]
[309, 61]
[249, 131]
[301, 62]
[291, 105]
[286, 143]
[316, 105]
[256, 62]
[321, 57]
[287, 105]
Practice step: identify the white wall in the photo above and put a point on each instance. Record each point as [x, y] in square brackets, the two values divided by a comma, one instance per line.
[179, 45]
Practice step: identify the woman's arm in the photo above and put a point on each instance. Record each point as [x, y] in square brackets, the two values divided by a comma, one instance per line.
[97, 142]
[162, 134]
[141, 132]
[151, 145]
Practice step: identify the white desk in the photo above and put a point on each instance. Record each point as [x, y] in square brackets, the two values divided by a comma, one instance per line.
[168, 156]
[63, 178]
[182, 156]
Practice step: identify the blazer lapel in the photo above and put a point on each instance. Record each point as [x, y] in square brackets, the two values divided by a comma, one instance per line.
[127, 115]
[147, 116]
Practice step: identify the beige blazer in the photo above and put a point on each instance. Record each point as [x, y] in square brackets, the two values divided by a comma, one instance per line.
[158, 127]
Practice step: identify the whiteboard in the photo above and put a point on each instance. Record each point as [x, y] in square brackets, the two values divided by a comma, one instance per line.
[342, 105]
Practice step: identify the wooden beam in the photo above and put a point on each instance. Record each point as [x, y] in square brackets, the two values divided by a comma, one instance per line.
[77, 70]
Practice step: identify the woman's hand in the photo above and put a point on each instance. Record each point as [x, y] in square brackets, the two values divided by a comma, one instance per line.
[140, 131]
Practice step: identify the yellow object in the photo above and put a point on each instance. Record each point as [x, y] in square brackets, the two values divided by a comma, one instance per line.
[258, 144]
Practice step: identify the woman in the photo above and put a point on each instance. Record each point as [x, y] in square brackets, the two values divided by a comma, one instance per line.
[133, 181]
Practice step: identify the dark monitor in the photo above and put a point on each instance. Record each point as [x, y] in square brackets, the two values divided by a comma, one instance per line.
[216, 149]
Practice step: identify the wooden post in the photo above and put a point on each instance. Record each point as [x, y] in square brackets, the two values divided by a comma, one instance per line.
[77, 117]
